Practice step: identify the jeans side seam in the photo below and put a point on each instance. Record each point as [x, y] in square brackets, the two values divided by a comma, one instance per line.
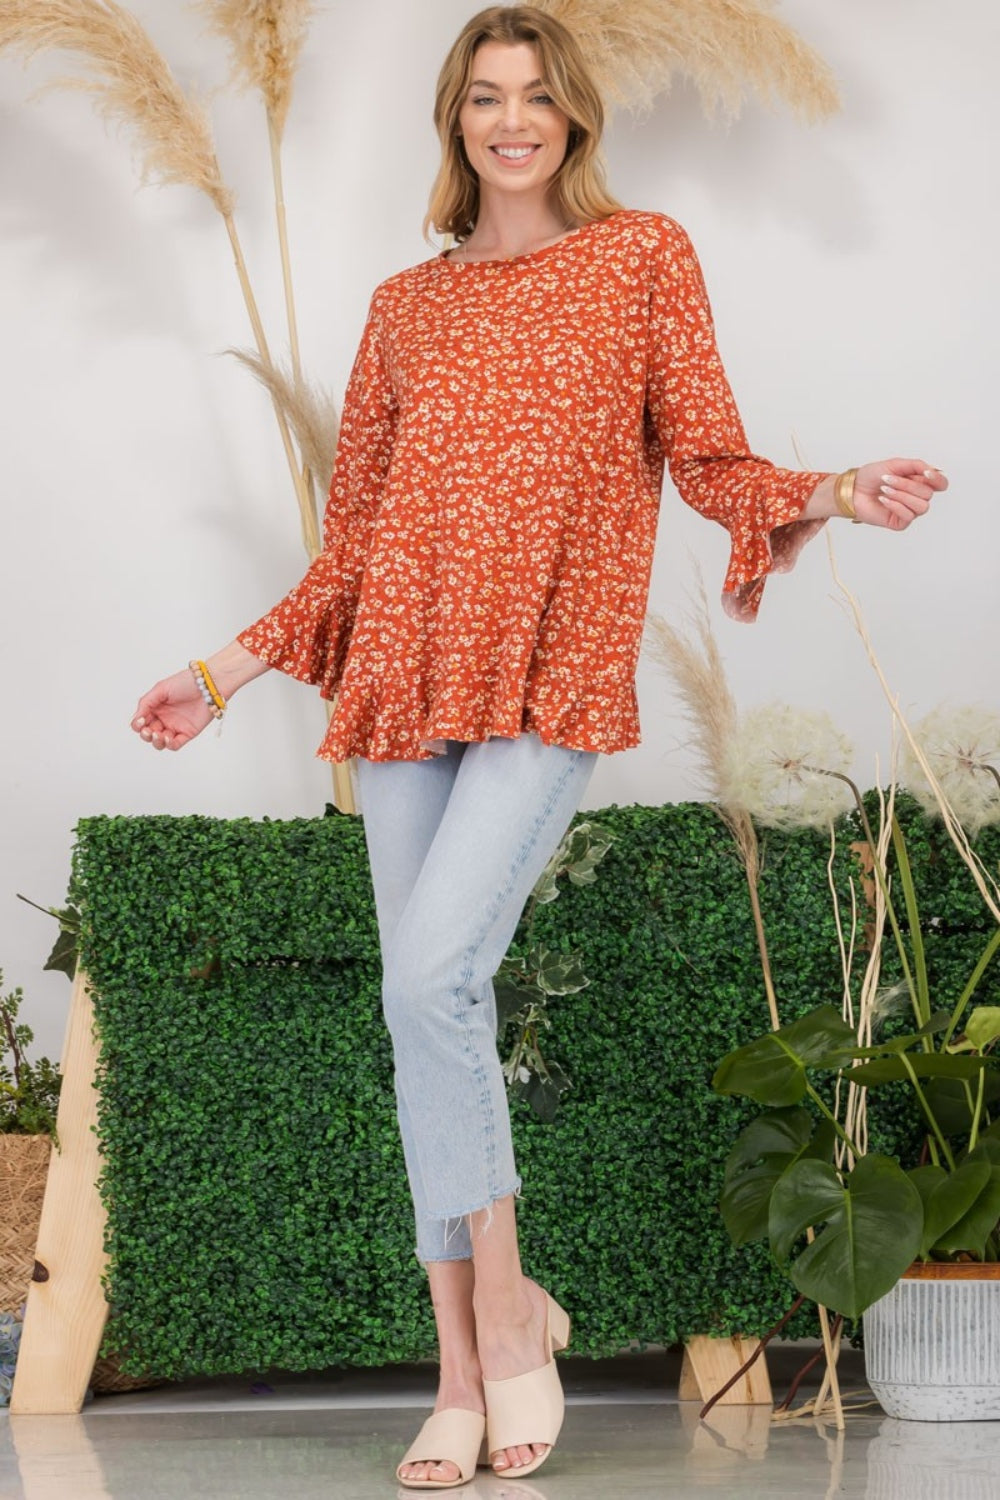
[463, 988]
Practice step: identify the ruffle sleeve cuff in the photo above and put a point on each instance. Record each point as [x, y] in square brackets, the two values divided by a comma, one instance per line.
[307, 633]
[766, 536]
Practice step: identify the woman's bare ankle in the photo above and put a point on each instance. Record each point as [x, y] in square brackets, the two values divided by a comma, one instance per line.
[510, 1304]
[462, 1391]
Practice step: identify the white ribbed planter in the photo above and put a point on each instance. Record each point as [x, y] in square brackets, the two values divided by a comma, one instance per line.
[932, 1345]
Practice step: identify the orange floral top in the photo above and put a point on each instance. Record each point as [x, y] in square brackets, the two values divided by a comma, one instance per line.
[489, 534]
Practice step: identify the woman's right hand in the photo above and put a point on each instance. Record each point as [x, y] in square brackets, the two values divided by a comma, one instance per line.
[172, 713]
[175, 711]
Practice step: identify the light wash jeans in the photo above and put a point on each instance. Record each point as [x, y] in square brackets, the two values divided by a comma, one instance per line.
[456, 844]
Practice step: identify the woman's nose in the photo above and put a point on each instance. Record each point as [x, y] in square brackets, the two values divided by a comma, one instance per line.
[513, 114]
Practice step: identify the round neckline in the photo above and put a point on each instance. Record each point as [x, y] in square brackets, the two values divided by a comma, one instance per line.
[444, 256]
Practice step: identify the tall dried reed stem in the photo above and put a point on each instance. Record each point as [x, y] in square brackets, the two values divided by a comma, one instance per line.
[986, 883]
[856, 1107]
[265, 39]
[699, 676]
[303, 492]
[729, 48]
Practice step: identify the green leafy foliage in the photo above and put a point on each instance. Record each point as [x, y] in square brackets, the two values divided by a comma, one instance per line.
[866, 1217]
[870, 1222]
[258, 1214]
[29, 1092]
[63, 957]
[772, 1069]
[528, 979]
[761, 1156]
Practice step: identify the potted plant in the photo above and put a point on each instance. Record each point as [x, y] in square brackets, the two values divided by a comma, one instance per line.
[29, 1095]
[915, 1250]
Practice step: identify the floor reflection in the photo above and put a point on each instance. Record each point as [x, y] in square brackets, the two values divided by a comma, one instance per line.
[936, 1460]
[338, 1441]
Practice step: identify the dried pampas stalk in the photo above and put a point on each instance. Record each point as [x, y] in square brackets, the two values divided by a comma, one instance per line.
[987, 885]
[309, 411]
[312, 415]
[265, 39]
[695, 664]
[131, 80]
[729, 48]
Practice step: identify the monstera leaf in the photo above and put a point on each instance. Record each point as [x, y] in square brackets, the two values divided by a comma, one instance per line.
[772, 1069]
[762, 1154]
[868, 1230]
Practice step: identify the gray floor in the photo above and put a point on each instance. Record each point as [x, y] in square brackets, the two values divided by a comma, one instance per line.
[339, 1436]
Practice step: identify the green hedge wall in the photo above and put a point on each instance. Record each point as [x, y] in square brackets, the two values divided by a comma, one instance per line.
[258, 1214]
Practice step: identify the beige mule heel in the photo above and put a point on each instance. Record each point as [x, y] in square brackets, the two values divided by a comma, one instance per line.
[529, 1408]
[452, 1436]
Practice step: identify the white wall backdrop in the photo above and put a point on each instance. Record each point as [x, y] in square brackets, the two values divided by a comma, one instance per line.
[147, 512]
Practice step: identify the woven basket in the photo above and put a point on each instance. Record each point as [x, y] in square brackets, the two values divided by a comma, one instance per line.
[24, 1167]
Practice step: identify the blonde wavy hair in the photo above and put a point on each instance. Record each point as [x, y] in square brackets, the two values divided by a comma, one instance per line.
[578, 188]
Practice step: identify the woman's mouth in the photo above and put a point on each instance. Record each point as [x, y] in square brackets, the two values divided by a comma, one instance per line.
[515, 156]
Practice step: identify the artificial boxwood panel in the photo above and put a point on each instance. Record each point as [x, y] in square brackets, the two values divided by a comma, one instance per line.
[258, 1214]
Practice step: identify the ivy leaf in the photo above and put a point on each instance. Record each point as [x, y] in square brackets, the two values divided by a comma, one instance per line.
[510, 998]
[546, 889]
[560, 973]
[64, 954]
[542, 1094]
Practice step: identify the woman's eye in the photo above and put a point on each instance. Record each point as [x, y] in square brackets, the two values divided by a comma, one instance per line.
[543, 99]
[484, 99]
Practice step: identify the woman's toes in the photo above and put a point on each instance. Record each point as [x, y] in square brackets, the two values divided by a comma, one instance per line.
[516, 1458]
[442, 1472]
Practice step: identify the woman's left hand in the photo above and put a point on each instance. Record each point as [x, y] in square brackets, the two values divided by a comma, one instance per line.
[895, 492]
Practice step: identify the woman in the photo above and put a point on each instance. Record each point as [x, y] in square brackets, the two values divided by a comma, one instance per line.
[477, 610]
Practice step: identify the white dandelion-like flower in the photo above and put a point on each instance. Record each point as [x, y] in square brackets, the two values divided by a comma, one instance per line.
[788, 768]
[962, 749]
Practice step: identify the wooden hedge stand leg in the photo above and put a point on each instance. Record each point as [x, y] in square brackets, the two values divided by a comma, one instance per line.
[709, 1363]
[66, 1309]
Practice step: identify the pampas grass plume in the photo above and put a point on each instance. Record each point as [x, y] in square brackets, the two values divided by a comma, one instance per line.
[130, 79]
[309, 410]
[265, 39]
[696, 666]
[729, 48]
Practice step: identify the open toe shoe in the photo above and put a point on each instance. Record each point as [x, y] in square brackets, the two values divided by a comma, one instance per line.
[452, 1436]
[529, 1408]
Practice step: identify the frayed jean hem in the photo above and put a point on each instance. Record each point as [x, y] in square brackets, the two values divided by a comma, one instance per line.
[458, 1224]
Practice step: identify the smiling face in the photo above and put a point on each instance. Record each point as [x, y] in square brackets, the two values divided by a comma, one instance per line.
[514, 133]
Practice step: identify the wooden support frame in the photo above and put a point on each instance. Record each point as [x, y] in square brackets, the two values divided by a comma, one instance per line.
[66, 1308]
[710, 1362]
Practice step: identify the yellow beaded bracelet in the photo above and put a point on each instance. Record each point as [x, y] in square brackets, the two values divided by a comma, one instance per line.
[208, 689]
